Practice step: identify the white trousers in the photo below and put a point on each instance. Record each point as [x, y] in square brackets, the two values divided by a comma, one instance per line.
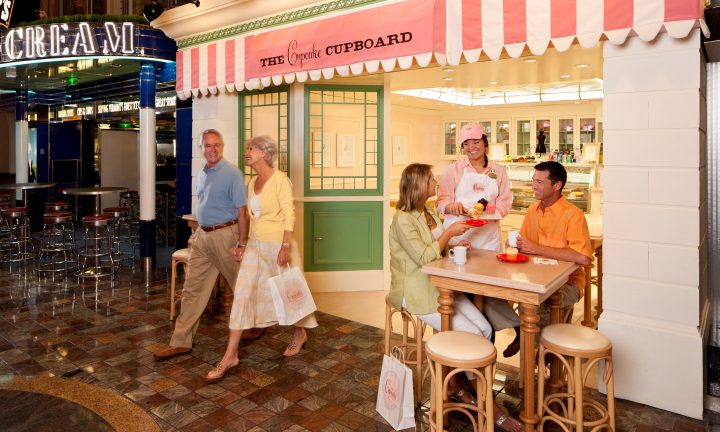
[466, 317]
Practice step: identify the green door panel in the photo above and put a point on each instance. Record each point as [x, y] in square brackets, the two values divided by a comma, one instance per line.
[343, 236]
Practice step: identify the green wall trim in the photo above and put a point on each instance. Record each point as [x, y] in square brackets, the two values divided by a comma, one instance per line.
[242, 127]
[275, 20]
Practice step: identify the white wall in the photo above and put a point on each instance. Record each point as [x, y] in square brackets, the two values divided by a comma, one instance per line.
[7, 142]
[655, 304]
[119, 149]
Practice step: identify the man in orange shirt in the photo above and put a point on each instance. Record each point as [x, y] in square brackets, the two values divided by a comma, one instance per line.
[555, 228]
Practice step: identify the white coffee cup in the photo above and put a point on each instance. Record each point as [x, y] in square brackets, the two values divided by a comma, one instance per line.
[459, 254]
[512, 237]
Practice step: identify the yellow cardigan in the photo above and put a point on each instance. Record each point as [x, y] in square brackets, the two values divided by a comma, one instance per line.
[277, 210]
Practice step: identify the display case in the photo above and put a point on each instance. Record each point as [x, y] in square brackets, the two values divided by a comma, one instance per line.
[578, 190]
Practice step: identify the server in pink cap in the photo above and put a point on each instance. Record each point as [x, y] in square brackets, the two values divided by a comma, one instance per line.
[466, 182]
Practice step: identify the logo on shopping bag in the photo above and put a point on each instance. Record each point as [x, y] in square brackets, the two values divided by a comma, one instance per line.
[391, 390]
[294, 294]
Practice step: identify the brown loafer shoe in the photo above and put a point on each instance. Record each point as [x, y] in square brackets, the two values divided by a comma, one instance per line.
[171, 352]
[252, 334]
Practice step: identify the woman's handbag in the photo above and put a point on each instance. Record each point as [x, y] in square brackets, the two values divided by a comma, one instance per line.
[395, 397]
[291, 296]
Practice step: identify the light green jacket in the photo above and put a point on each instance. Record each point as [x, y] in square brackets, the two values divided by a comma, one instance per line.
[412, 245]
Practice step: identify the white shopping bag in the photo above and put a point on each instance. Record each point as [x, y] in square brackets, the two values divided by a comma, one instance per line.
[395, 397]
[291, 296]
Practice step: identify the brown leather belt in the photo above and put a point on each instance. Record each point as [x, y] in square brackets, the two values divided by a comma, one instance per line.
[218, 226]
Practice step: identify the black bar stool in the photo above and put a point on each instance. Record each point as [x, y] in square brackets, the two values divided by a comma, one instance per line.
[121, 224]
[95, 260]
[15, 245]
[57, 249]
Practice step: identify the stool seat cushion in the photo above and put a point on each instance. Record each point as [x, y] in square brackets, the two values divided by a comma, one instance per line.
[115, 209]
[96, 217]
[575, 337]
[57, 203]
[181, 254]
[57, 214]
[15, 209]
[460, 345]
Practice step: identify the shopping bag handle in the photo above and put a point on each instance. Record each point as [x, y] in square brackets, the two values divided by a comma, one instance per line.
[398, 353]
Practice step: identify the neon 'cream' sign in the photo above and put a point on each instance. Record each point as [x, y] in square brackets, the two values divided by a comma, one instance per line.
[71, 39]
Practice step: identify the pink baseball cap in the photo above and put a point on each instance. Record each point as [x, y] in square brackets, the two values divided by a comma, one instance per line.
[471, 131]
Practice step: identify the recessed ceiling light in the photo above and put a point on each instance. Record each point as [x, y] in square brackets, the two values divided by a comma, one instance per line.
[528, 105]
[109, 74]
[401, 97]
[530, 60]
[439, 104]
[447, 79]
[448, 69]
[577, 102]
[461, 107]
[565, 76]
[492, 82]
[581, 65]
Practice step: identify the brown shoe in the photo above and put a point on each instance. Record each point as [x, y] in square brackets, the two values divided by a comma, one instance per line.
[171, 352]
[252, 334]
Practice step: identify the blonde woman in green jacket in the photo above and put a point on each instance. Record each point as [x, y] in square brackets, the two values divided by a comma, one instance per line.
[417, 238]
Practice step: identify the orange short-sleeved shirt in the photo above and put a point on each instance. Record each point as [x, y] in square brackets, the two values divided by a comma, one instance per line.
[561, 225]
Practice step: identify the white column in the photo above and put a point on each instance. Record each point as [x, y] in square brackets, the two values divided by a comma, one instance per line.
[654, 224]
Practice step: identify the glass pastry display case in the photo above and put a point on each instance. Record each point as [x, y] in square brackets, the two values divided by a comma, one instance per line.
[581, 182]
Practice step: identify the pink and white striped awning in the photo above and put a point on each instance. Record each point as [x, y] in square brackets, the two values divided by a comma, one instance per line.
[489, 26]
[457, 29]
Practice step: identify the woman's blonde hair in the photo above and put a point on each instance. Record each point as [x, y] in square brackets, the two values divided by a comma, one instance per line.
[413, 186]
[266, 144]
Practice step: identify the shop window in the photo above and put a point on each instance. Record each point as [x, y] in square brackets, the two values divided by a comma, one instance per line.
[265, 113]
[451, 143]
[503, 134]
[343, 142]
[566, 128]
[544, 125]
[523, 138]
[587, 131]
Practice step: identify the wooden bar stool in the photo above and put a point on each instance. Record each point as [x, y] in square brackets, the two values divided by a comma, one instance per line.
[412, 351]
[180, 256]
[579, 349]
[461, 352]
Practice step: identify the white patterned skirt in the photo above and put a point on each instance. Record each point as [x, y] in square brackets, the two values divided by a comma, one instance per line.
[252, 302]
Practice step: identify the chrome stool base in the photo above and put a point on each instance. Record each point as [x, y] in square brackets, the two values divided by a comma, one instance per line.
[57, 251]
[95, 260]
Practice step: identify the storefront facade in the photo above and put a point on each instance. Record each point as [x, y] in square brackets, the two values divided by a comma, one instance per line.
[293, 62]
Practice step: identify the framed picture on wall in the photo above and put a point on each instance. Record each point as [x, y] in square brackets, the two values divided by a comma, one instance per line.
[399, 153]
[322, 150]
[345, 150]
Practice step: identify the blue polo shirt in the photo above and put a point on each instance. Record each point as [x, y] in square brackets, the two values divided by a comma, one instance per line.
[221, 191]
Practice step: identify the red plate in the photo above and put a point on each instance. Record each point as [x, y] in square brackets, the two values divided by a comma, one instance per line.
[476, 222]
[519, 259]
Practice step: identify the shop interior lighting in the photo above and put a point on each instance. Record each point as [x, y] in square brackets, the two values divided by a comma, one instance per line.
[447, 79]
[550, 92]
[447, 69]
[530, 60]
[582, 65]
[50, 60]
[564, 76]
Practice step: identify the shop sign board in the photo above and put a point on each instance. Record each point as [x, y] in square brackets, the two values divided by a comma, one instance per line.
[164, 100]
[384, 32]
[68, 40]
[6, 8]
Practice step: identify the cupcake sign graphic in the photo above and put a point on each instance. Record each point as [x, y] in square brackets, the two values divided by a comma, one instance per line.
[294, 294]
[391, 390]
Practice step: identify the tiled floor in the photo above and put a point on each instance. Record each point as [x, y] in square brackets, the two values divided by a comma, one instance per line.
[105, 334]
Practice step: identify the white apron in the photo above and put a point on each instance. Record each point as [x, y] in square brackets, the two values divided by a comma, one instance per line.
[470, 189]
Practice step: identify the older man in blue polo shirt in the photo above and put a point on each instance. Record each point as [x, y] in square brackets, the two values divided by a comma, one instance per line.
[217, 245]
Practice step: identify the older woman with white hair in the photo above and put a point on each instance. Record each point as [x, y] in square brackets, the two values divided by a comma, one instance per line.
[269, 248]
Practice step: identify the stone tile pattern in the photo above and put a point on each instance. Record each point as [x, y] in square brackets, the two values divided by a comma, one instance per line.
[105, 334]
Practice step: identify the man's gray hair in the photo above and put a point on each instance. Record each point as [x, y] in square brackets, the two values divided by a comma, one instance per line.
[266, 144]
[209, 132]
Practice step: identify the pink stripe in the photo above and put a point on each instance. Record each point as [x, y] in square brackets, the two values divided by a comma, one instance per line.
[515, 21]
[676, 10]
[179, 67]
[618, 14]
[472, 24]
[194, 68]
[439, 24]
[212, 65]
[563, 17]
[230, 61]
